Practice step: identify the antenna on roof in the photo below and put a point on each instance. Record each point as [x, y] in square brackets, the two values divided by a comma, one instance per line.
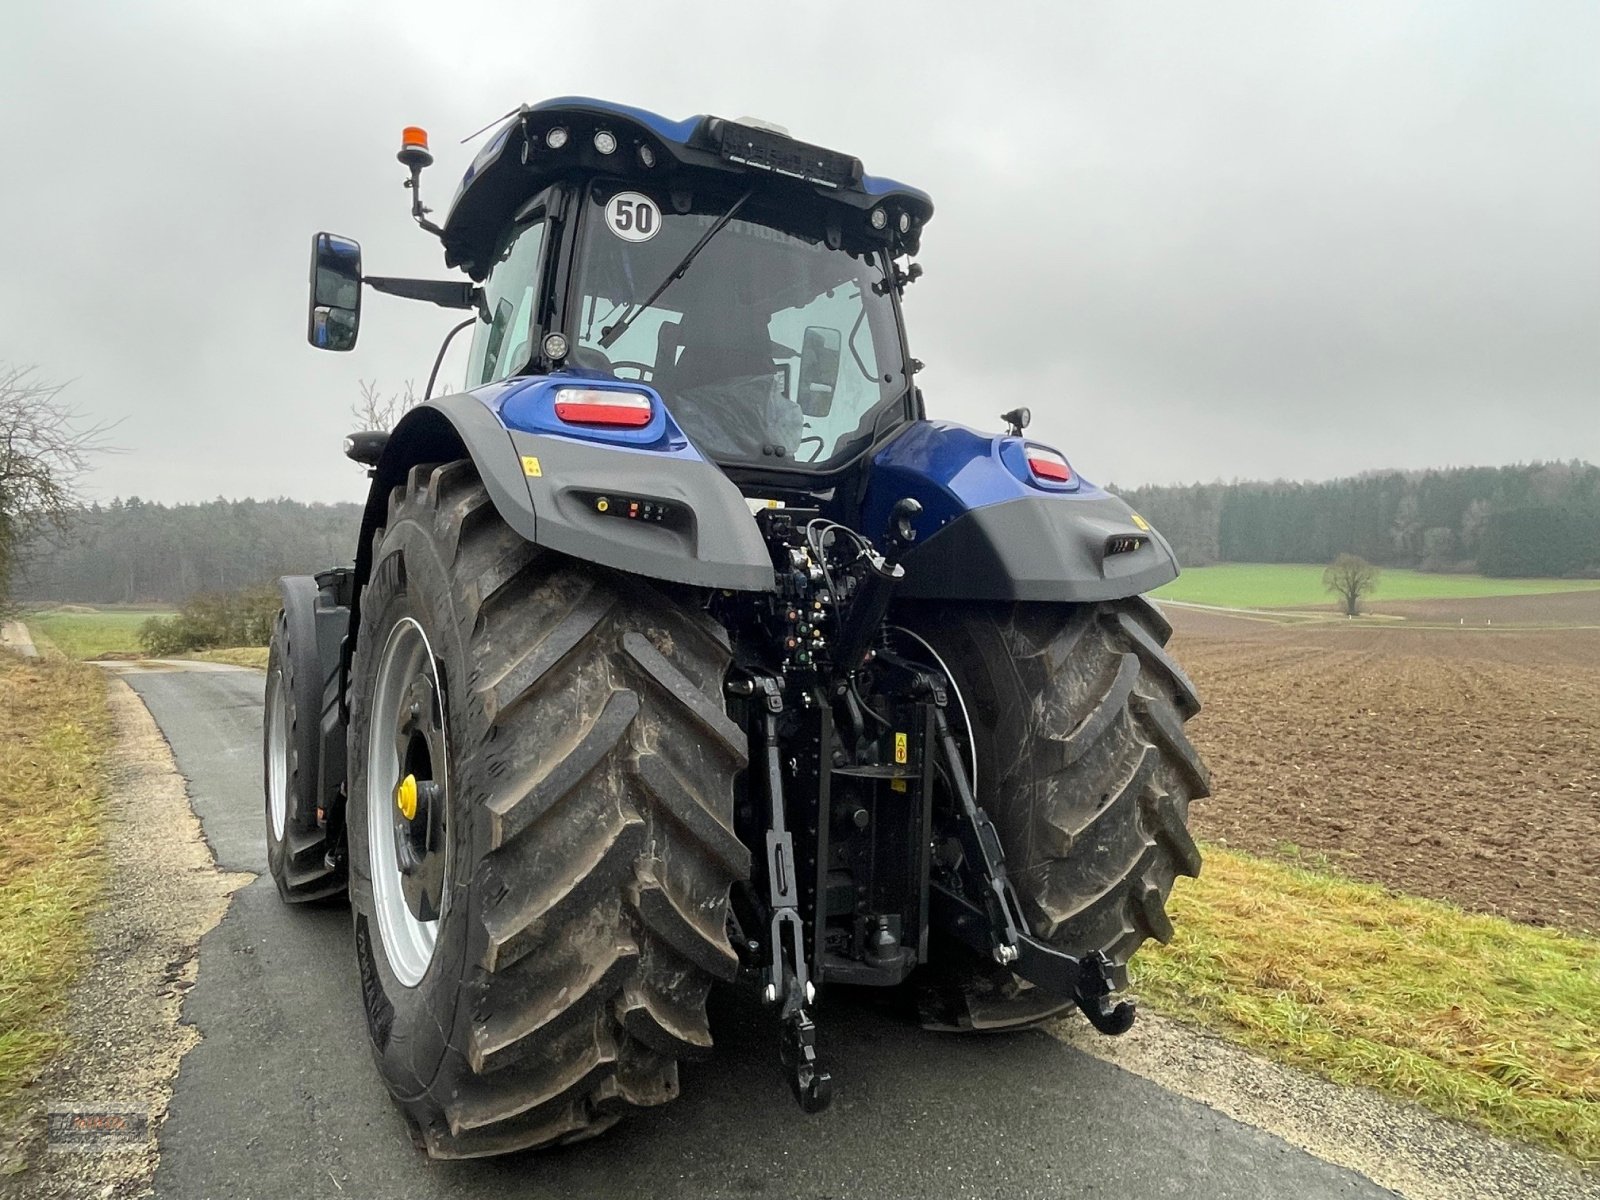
[492, 124]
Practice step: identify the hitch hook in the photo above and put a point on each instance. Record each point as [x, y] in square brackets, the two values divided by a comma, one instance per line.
[812, 1086]
[1093, 994]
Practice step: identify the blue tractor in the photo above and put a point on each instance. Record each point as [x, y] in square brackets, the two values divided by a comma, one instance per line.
[682, 646]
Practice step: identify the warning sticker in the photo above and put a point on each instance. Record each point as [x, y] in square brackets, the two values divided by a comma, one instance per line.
[900, 748]
[633, 217]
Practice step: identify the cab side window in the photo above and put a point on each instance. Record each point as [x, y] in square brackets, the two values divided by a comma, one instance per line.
[502, 345]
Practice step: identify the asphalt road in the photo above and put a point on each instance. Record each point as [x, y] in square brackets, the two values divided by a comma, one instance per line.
[280, 1098]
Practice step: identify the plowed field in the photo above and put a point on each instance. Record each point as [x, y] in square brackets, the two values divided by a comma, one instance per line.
[1462, 764]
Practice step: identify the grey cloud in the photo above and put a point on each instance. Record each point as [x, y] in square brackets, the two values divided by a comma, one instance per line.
[1200, 241]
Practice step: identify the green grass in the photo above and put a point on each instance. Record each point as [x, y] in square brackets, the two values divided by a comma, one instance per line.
[1477, 1018]
[56, 734]
[92, 634]
[1289, 585]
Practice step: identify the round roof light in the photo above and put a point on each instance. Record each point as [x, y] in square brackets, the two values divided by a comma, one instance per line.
[605, 141]
[555, 346]
[556, 138]
[879, 219]
[905, 222]
[647, 157]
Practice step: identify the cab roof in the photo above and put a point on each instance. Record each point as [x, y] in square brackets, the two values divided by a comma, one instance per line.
[542, 143]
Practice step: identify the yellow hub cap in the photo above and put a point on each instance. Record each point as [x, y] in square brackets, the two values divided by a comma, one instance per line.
[405, 797]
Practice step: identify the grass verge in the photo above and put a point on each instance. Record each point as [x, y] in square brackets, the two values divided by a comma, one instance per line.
[56, 735]
[238, 656]
[1475, 1017]
[1289, 585]
[93, 634]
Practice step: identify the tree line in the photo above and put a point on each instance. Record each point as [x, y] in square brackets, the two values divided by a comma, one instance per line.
[1533, 519]
[1539, 519]
[134, 551]
[53, 546]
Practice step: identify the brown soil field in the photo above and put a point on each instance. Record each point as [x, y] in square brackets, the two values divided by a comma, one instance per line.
[1580, 608]
[1461, 764]
[1552, 608]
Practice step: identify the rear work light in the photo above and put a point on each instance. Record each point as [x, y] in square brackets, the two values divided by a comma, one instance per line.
[594, 406]
[1048, 465]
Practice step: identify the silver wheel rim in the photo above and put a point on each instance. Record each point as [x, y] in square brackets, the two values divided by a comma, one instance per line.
[277, 756]
[407, 941]
[961, 701]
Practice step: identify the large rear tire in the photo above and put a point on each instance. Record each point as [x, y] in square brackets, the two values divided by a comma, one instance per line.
[583, 766]
[1076, 713]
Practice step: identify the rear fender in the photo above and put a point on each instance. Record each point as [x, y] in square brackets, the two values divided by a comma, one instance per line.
[989, 531]
[573, 494]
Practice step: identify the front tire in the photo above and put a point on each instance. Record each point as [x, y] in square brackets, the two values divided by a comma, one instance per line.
[582, 768]
[297, 841]
[1076, 713]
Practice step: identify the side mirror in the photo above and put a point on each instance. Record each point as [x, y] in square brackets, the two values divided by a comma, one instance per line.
[819, 370]
[334, 318]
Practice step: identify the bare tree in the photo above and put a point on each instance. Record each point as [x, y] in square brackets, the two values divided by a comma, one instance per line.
[1350, 577]
[1407, 528]
[376, 411]
[45, 445]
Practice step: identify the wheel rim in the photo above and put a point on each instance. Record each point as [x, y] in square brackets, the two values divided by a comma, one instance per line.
[961, 725]
[277, 756]
[409, 852]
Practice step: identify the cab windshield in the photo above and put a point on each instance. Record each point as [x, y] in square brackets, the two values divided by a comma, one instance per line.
[770, 349]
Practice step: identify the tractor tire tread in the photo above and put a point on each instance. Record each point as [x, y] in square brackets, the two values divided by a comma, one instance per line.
[1086, 771]
[602, 764]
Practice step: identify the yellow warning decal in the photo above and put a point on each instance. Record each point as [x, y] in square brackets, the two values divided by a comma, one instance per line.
[1137, 519]
[900, 748]
[530, 466]
[897, 785]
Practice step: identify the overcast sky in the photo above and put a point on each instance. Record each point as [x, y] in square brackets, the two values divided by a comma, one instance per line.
[1199, 240]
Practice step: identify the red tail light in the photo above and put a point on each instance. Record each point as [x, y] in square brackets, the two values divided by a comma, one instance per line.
[1048, 465]
[594, 406]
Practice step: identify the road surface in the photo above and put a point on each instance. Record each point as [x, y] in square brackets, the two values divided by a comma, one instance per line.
[280, 1098]
[14, 636]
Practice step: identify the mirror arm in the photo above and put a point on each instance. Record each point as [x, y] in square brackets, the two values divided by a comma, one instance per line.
[445, 293]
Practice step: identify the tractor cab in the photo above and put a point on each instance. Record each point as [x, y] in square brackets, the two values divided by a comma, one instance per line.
[744, 281]
[721, 302]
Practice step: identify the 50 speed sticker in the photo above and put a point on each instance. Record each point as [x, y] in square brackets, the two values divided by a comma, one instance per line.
[633, 217]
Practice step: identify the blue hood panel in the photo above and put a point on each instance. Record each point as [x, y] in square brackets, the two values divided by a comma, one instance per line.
[951, 469]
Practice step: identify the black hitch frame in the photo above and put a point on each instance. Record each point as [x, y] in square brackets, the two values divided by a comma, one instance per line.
[997, 927]
[969, 897]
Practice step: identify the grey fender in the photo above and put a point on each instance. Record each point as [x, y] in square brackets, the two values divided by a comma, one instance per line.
[1045, 548]
[548, 489]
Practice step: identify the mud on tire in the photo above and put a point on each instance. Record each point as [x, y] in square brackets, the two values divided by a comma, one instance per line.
[1082, 762]
[589, 831]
